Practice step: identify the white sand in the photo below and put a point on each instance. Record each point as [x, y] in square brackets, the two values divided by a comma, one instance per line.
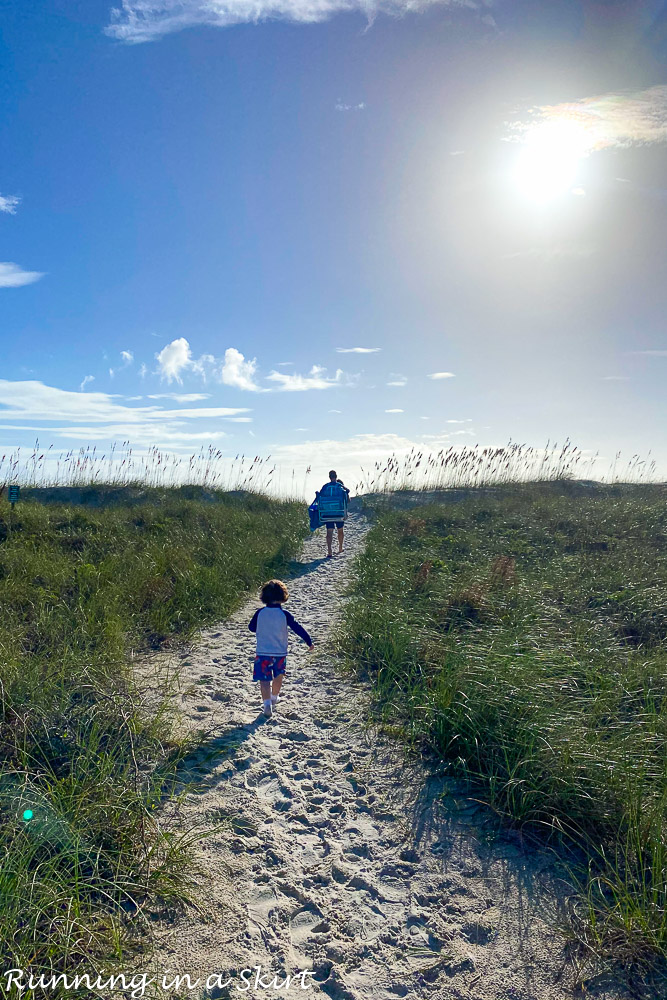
[343, 858]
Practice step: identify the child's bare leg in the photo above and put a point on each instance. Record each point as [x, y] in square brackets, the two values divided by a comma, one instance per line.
[340, 539]
[265, 688]
[277, 684]
[329, 540]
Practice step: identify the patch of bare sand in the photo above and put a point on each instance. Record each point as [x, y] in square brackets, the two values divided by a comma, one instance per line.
[340, 857]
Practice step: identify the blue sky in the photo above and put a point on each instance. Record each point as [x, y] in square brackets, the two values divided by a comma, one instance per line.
[205, 217]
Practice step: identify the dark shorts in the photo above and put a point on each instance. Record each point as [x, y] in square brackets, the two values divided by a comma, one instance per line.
[339, 524]
[268, 667]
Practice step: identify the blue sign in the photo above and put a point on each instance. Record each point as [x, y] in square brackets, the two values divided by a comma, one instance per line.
[13, 493]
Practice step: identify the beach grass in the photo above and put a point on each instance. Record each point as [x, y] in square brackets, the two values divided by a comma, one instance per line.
[520, 634]
[84, 587]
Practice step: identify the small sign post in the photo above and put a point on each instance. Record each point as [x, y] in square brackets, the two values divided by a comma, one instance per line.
[13, 493]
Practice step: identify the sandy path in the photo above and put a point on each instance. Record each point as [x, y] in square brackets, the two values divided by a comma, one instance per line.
[342, 858]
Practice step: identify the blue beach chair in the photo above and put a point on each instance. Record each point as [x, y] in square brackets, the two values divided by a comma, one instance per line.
[331, 503]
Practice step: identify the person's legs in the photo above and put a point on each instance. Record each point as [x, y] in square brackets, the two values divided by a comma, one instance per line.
[341, 533]
[262, 672]
[278, 674]
[329, 540]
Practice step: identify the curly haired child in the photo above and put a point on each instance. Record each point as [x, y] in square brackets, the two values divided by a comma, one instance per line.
[270, 625]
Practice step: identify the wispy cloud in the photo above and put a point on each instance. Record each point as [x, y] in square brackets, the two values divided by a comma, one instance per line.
[316, 378]
[358, 350]
[394, 411]
[146, 20]
[127, 357]
[467, 420]
[238, 372]
[13, 275]
[615, 378]
[86, 380]
[180, 397]
[617, 119]
[99, 416]
[349, 107]
[9, 203]
[397, 380]
[143, 370]
[439, 375]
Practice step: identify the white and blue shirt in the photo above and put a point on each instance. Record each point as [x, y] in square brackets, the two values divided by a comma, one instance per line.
[270, 625]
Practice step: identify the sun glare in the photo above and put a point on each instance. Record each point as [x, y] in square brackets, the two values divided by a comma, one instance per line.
[548, 164]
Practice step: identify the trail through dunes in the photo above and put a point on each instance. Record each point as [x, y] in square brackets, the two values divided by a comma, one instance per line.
[340, 857]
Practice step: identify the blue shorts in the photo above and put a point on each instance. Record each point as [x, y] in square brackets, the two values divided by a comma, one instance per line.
[330, 525]
[268, 667]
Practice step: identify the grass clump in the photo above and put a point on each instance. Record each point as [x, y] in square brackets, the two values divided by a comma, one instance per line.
[520, 633]
[81, 765]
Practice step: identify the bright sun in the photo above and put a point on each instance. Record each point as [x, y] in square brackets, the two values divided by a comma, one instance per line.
[548, 163]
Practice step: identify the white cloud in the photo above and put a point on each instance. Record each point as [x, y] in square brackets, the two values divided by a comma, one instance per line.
[621, 119]
[180, 397]
[397, 380]
[285, 364]
[467, 420]
[315, 379]
[174, 359]
[143, 371]
[238, 372]
[86, 380]
[615, 378]
[98, 415]
[13, 275]
[9, 203]
[127, 357]
[394, 411]
[349, 107]
[146, 20]
[438, 375]
[358, 350]
[335, 411]
[424, 418]
[348, 456]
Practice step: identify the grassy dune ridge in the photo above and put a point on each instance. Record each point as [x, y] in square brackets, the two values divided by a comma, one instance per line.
[520, 633]
[81, 586]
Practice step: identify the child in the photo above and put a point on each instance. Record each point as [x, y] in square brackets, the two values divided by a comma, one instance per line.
[270, 625]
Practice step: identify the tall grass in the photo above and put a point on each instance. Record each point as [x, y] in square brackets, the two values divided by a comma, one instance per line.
[472, 466]
[81, 587]
[522, 636]
[121, 465]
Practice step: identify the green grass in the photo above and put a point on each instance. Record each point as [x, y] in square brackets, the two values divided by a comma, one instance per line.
[541, 677]
[81, 588]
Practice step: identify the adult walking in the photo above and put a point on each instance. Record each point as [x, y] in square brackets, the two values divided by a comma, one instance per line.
[335, 489]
